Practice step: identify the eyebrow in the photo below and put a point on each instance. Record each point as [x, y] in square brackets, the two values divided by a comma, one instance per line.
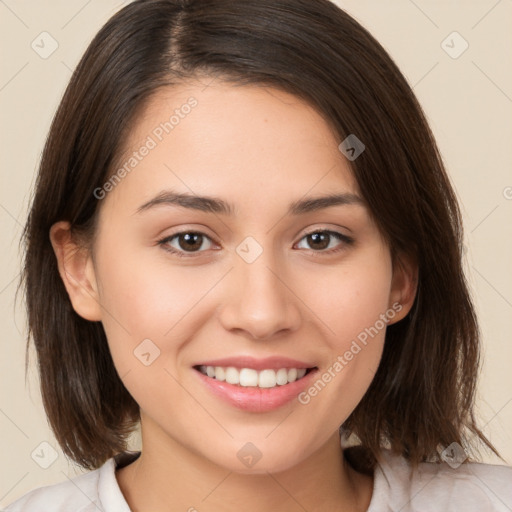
[211, 204]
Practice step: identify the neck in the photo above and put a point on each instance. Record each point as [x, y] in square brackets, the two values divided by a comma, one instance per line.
[168, 476]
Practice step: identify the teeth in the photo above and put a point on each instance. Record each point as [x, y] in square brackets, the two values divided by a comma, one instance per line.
[282, 376]
[248, 377]
[267, 379]
[301, 372]
[220, 374]
[292, 374]
[232, 375]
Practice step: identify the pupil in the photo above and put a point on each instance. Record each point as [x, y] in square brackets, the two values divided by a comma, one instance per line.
[322, 237]
[191, 237]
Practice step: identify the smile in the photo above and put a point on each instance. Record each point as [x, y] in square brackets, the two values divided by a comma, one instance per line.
[249, 377]
[250, 385]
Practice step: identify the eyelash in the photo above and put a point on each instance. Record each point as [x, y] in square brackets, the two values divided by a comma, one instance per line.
[341, 237]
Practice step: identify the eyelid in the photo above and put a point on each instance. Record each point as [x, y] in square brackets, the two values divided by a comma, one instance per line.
[323, 228]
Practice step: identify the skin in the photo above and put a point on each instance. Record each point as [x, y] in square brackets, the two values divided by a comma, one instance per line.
[260, 149]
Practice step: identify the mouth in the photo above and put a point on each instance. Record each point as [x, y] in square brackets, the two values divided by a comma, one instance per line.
[255, 390]
[266, 378]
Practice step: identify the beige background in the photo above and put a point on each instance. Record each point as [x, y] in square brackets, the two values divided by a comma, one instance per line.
[468, 101]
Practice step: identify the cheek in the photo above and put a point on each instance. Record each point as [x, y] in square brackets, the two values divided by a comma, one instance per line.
[351, 299]
[137, 289]
[147, 297]
[351, 305]
[345, 377]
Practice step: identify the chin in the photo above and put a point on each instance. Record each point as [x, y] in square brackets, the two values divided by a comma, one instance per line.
[249, 460]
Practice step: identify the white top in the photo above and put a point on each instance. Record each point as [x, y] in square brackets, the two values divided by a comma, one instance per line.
[471, 487]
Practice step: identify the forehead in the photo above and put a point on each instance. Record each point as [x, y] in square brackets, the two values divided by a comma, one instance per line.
[222, 139]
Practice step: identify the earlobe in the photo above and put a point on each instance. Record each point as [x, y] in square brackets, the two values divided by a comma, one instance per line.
[404, 285]
[76, 271]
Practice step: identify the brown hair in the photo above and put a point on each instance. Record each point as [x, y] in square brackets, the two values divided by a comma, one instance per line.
[423, 392]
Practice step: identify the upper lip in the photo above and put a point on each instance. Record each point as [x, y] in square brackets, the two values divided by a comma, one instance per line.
[272, 363]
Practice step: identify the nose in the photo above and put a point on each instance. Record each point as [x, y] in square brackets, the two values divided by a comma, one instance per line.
[260, 303]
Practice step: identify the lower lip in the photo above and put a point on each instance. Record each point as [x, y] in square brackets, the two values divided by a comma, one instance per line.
[254, 399]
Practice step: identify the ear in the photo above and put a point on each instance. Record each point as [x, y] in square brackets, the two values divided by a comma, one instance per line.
[77, 272]
[404, 285]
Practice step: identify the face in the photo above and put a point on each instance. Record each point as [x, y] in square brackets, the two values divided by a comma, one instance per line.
[262, 280]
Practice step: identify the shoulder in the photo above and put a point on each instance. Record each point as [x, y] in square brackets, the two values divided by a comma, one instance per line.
[432, 487]
[78, 494]
[92, 491]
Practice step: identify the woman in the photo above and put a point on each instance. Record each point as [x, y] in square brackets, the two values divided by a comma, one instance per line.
[243, 237]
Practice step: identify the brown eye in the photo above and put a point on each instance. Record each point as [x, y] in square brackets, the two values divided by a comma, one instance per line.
[318, 241]
[190, 241]
[322, 240]
[185, 242]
